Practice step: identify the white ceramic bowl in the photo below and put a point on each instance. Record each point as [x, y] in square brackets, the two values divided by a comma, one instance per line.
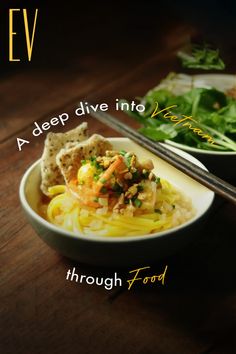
[122, 250]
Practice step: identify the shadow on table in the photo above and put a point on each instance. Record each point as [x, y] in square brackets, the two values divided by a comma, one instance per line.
[197, 299]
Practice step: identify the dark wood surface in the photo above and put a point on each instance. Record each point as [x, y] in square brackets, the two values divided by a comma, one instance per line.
[41, 312]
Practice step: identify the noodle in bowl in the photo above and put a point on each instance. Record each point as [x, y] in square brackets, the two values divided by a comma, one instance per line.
[173, 209]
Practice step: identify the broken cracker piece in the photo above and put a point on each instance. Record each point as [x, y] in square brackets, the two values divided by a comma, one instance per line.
[50, 172]
[69, 159]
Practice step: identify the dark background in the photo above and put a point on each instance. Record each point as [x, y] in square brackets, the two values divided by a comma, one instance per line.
[68, 30]
[106, 49]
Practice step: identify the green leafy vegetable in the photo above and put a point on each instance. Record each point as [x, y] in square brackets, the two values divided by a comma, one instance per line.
[164, 131]
[213, 112]
[201, 57]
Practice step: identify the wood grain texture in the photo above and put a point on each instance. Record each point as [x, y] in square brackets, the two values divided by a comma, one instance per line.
[41, 312]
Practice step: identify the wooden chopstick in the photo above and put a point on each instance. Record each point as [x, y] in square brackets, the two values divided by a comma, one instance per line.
[214, 183]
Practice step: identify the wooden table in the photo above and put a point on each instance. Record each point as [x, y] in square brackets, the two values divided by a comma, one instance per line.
[41, 312]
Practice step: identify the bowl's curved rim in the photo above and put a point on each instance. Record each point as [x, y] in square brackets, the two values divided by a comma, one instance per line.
[106, 239]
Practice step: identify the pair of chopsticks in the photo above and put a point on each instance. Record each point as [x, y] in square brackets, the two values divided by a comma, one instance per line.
[206, 178]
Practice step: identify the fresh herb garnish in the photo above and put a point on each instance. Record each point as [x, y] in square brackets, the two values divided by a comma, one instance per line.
[103, 180]
[83, 162]
[145, 174]
[122, 152]
[127, 160]
[103, 190]
[137, 203]
[157, 180]
[117, 188]
[94, 163]
[140, 188]
[135, 176]
[201, 57]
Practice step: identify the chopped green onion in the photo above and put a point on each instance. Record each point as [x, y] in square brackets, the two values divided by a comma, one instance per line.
[117, 188]
[135, 176]
[123, 152]
[93, 162]
[103, 190]
[128, 161]
[145, 174]
[137, 203]
[140, 188]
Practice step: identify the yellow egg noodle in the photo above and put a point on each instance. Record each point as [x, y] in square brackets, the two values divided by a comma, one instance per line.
[65, 211]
